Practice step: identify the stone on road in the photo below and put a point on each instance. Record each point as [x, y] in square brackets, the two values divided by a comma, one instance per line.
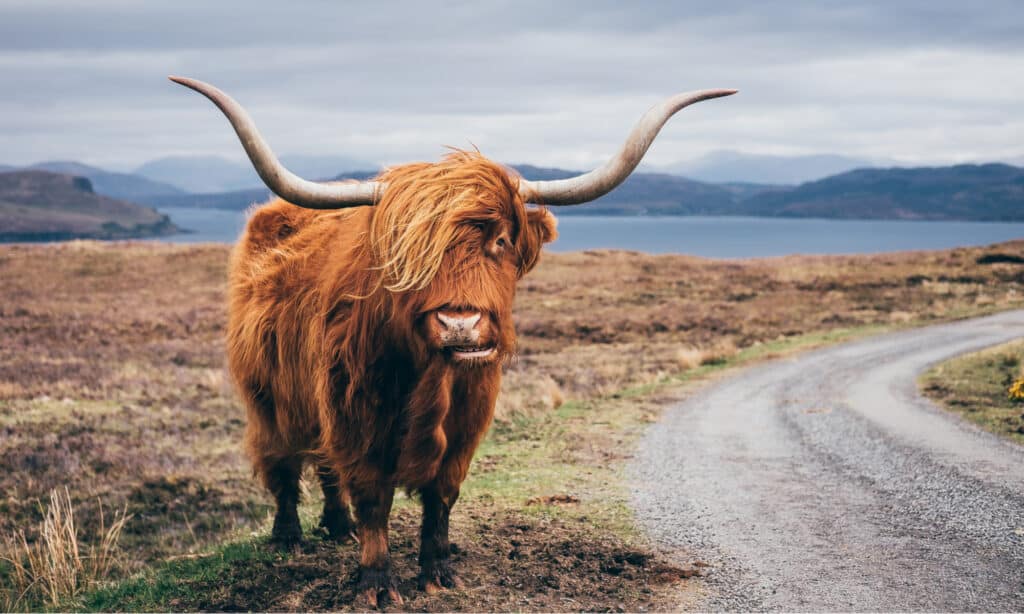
[826, 482]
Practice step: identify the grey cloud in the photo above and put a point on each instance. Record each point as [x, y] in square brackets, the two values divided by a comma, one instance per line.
[545, 82]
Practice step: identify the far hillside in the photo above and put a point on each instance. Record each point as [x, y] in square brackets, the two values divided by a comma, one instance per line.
[45, 206]
[646, 194]
[115, 185]
[971, 192]
[641, 194]
[985, 192]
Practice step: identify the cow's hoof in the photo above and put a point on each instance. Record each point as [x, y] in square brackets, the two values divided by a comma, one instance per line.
[337, 526]
[438, 575]
[378, 587]
[286, 537]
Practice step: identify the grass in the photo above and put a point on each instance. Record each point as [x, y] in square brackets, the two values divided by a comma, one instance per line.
[977, 386]
[162, 589]
[55, 567]
[112, 384]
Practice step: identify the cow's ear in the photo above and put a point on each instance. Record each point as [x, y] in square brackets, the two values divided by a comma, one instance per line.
[543, 224]
[541, 228]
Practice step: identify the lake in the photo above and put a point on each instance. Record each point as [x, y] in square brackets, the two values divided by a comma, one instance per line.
[712, 237]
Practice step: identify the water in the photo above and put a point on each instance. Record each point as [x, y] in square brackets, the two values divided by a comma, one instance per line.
[207, 225]
[713, 237]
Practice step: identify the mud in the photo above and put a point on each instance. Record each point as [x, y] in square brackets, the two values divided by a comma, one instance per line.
[519, 563]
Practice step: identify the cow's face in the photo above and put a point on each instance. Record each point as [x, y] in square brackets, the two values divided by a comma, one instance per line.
[466, 311]
[466, 251]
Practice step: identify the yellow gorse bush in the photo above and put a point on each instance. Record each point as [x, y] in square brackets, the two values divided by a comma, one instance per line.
[1017, 390]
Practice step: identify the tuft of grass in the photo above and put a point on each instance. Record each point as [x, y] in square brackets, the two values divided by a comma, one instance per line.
[720, 352]
[54, 567]
[689, 357]
[526, 394]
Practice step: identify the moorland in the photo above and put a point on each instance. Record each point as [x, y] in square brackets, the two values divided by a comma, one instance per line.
[113, 387]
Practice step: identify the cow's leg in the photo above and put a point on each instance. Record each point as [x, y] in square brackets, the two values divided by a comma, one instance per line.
[439, 496]
[282, 480]
[336, 519]
[372, 504]
[436, 572]
[463, 431]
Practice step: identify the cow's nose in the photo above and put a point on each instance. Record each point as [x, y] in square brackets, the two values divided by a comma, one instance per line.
[459, 324]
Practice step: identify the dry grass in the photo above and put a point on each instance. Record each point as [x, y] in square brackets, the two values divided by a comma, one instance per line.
[55, 566]
[689, 357]
[526, 396]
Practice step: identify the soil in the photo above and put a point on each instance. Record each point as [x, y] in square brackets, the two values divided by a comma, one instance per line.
[518, 562]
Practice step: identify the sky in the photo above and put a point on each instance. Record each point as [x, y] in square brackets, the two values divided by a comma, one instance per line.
[549, 83]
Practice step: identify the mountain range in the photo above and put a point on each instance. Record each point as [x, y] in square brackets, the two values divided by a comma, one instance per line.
[641, 194]
[115, 185]
[215, 174]
[965, 192]
[968, 192]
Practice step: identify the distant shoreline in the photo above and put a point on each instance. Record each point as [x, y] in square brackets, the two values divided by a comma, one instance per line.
[61, 237]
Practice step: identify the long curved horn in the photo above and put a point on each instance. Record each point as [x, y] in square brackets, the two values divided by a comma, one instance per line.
[280, 180]
[598, 182]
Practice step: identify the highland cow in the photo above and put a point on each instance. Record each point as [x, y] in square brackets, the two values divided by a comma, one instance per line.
[368, 342]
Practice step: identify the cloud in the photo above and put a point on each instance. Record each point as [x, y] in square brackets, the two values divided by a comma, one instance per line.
[548, 83]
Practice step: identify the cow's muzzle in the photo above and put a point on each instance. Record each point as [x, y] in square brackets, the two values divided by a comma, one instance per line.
[464, 334]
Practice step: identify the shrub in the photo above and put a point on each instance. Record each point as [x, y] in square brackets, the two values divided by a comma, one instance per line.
[1016, 392]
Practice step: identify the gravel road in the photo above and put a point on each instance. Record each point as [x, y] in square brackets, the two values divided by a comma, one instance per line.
[826, 482]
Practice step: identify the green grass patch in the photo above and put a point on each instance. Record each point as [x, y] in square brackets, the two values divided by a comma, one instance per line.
[977, 386]
[158, 590]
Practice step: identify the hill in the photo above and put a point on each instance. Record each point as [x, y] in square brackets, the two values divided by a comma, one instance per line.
[39, 205]
[115, 185]
[986, 192]
[646, 194]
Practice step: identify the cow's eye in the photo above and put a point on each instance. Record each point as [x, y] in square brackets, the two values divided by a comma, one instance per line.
[501, 242]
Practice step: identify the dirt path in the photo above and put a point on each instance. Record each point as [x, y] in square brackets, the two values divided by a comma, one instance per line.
[826, 482]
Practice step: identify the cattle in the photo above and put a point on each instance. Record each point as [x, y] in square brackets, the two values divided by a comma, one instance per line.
[368, 323]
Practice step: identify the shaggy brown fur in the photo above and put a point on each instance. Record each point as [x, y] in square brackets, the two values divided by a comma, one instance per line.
[333, 343]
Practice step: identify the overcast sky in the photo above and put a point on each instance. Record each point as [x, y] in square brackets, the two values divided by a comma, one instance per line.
[551, 83]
